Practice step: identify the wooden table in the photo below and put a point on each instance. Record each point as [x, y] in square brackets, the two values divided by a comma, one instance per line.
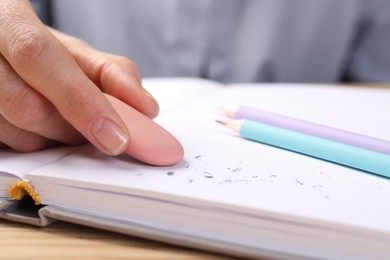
[65, 240]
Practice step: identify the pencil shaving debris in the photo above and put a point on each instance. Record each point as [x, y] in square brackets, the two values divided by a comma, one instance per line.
[298, 181]
[237, 169]
[208, 175]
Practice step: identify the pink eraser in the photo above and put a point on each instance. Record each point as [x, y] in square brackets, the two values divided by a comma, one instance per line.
[149, 142]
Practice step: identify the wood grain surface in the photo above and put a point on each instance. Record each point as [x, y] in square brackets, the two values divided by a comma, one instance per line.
[64, 240]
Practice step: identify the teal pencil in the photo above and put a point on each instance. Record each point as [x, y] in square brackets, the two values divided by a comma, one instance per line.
[331, 151]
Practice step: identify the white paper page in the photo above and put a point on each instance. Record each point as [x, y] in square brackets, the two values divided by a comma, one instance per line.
[14, 165]
[172, 93]
[223, 168]
[20, 163]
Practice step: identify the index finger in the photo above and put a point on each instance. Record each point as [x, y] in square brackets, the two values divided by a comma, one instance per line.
[46, 65]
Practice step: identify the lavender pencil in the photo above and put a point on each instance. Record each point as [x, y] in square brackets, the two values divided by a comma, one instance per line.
[310, 128]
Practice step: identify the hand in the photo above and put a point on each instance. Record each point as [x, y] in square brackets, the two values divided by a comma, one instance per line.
[51, 87]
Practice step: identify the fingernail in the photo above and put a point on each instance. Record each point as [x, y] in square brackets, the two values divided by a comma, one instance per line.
[153, 98]
[110, 136]
[148, 93]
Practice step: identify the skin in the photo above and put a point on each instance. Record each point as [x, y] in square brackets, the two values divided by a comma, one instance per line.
[52, 85]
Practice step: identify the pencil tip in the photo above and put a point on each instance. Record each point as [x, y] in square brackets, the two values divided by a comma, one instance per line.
[220, 122]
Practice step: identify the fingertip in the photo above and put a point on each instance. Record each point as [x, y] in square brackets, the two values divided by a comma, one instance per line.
[123, 81]
[152, 108]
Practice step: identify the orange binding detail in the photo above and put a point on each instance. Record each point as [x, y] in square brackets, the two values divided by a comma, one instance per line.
[22, 188]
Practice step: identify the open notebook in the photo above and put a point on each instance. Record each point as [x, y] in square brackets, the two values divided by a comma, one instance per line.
[228, 195]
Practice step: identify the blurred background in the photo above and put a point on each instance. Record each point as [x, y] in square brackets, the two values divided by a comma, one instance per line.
[236, 40]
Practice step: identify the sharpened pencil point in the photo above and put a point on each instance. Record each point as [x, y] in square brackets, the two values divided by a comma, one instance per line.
[220, 122]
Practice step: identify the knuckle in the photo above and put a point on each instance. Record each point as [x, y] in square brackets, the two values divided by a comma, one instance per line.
[28, 111]
[20, 140]
[115, 69]
[122, 61]
[26, 45]
[128, 63]
[30, 142]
